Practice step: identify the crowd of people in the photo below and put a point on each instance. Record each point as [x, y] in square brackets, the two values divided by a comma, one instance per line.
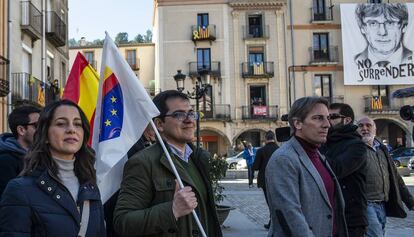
[331, 178]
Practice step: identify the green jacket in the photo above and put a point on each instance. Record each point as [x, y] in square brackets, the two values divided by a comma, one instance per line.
[144, 206]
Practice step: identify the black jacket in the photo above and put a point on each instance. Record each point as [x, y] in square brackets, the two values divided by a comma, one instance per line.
[262, 157]
[11, 159]
[346, 153]
[37, 205]
[399, 192]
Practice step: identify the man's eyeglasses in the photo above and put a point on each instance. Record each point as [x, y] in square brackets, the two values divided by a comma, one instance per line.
[387, 24]
[34, 124]
[335, 116]
[181, 116]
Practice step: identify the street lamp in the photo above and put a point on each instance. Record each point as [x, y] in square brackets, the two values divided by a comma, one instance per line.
[200, 89]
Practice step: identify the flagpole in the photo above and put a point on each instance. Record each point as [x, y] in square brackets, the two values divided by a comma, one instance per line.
[177, 176]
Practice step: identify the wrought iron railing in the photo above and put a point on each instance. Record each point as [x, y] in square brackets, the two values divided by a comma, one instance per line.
[25, 87]
[199, 33]
[328, 55]
[216, 112]
[55, 29]
[382, 104]
[324, 15]
[259, 69]
[260, 112]
[212, 68]
[31, 20]
[255, 32]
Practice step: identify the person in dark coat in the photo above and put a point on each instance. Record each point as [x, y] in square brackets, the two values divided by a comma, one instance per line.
[13, 146]
[346, 153]
[57, 190]
[146, 140]
[262, 157]
[150, 202]
[386, 190]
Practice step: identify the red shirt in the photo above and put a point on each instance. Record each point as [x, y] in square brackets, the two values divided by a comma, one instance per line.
[313, 153]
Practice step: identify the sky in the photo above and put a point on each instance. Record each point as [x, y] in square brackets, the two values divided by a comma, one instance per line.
[91, 18]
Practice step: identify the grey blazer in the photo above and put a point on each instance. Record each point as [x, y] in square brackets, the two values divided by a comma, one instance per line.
[298, 201]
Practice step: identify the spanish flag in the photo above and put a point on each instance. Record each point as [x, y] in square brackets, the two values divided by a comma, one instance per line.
[82, 88]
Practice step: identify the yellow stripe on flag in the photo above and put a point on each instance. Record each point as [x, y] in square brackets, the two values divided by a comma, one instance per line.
[88, 95]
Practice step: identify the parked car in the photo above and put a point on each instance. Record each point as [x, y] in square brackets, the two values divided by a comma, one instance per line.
[237, 161]
[411, 164]
[402, 156]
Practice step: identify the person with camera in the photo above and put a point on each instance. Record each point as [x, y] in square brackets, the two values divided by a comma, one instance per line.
[385, 189]
[346, 153]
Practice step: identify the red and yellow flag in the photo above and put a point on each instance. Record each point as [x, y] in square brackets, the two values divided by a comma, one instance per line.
[82, 87]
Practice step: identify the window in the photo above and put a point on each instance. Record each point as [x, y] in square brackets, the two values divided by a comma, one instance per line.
[49, 69]
[323, 86]
[255, 26]
[89, 55]
[320, 46]
[319, 10]
[63, 71]
[382, 91]
[203, 59]
[375, 1]
[256, 57]
[202, 19]
[131, 58]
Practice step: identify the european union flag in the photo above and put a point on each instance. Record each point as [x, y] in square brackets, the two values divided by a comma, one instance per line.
[112, 109]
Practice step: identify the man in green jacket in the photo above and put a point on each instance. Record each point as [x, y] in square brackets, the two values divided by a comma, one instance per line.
[150, 202]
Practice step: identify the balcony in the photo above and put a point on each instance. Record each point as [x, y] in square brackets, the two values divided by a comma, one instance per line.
[321, 16]
[219, 112]
[255, 32]
[31, 22]
[134, 64]
[25, 87]
[382, 105]
[325, 56]
[257, 70]
[212, 69]
[260, 112]
[203, 33]
[4, 83]
[55, 29]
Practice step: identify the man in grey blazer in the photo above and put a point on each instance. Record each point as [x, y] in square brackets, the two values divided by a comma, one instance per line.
[304, 196]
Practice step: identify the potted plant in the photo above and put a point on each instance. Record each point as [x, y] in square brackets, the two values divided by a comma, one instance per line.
[218, 168]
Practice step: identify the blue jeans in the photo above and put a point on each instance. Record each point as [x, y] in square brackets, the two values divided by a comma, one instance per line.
[376, 219]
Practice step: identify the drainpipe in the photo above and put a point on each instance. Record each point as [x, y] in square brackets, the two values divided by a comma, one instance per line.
[43, 41]
[292, 41]
[9, 66]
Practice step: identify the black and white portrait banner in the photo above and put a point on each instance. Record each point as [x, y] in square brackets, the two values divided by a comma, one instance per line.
[378, 43]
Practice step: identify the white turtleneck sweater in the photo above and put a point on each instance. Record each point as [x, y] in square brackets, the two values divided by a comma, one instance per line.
[67, 175]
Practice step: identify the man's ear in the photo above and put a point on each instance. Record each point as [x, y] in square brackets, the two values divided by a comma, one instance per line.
[404, 29]
[159, 124]
[297, 124]
[21, 130]
[347, 120]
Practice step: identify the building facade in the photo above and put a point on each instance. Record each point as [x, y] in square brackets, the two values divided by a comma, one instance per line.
[4, 62]
[262, 55]
[315, 67]
[241, 47]
[37, 66]
[140, 56]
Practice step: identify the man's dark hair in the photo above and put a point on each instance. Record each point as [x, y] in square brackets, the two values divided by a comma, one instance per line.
[344, 109]
[301, 108]
[392, 10]
[160, 100]
[20, 117]
[270, 135]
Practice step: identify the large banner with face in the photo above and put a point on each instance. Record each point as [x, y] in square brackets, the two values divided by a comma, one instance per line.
[378, 43]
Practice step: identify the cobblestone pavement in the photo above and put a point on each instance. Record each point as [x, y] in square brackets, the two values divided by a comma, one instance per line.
[251, 203]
